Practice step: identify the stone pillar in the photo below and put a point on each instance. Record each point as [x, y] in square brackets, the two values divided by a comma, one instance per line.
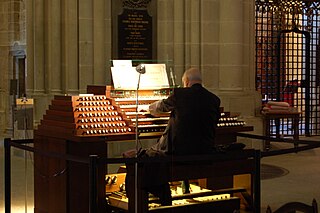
[52, 29]
[179, 49]
[39, 47]
[171, 31]
[69, 39]
[85, 44]
[107, 40]
[69, 46]
[99, 59]
[4, 66]
[165, 35]
[193, 33]
[39, 29]
[210, 38]
[93, 28]
[231, 45]
[236, 63]
[12, 37]
[236, 56]
[30, 39]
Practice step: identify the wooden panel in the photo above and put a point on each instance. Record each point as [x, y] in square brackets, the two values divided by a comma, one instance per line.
[50, 188]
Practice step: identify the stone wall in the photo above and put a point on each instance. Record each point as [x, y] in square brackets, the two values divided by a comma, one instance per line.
[4, 63]
[12, 38]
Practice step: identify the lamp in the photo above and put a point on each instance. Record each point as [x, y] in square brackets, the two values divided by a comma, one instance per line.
[141, 68]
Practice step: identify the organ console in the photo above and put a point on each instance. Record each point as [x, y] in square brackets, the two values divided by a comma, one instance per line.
[149, 126]
[83, 125]
[113, 116]
[85, 116]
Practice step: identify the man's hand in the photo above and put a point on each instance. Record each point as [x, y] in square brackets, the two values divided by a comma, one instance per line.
[143, 108]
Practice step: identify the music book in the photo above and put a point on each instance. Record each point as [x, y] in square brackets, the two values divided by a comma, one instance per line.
[126, 77]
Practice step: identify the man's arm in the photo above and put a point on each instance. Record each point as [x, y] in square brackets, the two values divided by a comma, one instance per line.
[161, 106]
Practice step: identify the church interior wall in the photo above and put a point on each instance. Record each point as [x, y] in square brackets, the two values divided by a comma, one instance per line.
[69, 46]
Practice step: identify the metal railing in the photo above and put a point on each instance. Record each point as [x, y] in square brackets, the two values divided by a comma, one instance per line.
[93, 160]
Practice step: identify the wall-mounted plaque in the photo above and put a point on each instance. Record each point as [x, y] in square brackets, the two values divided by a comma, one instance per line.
[135, 34]
[134, 30]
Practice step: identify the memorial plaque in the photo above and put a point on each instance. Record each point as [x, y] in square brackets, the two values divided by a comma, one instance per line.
[135, 35]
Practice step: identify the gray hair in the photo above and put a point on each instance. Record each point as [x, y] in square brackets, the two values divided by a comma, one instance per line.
[193, 74]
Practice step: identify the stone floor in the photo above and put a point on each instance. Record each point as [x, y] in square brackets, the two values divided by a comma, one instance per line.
[285, 178]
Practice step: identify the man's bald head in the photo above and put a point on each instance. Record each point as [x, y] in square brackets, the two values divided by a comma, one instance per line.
[191, 76]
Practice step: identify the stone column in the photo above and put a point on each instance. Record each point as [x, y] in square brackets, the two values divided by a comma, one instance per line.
[236, 56]
[107, 45]
[43, 53]
[231, 45]
[171, 35]
[4, 67]
[12, 42]
[53, 46]
[165, 35]
[85, 44]
[99, 59]
[30, 39]
[69, 37]
[38, 46]
[236, 63]
[193, 33]
[210, 35]
[179, 49]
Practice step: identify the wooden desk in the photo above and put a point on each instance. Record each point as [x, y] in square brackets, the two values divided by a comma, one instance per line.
[276, 115]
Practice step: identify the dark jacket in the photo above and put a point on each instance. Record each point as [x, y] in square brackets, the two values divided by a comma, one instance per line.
[194, 117]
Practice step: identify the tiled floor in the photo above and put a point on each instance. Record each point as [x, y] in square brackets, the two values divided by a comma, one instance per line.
[301, 183]
[295, 178]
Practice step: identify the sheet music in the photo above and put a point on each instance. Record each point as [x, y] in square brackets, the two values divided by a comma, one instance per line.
[155, 76]
[122, 63]
[125, 77]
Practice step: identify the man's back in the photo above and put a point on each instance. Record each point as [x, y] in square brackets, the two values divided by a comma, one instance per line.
[193, 120]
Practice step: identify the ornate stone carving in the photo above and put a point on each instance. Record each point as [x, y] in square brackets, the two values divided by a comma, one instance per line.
[135, 3]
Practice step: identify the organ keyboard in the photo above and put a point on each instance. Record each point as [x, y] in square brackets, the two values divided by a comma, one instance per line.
[149, 126]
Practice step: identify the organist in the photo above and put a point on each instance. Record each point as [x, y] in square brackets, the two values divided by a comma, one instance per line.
[191, 128]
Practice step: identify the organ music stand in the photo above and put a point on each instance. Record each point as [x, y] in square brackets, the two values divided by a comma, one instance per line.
[141, 69]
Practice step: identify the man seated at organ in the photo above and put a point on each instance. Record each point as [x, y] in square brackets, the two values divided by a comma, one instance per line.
[193, 119]
[194, 114]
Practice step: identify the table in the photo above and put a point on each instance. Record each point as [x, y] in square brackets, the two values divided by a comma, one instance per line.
[291, 113]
